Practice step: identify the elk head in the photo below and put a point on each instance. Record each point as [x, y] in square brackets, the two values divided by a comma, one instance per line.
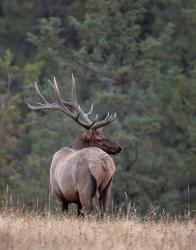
[92, 137]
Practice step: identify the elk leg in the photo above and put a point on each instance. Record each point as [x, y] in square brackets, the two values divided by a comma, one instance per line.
[64, 205]
[104, 199]
[86, 193]
[79, 208]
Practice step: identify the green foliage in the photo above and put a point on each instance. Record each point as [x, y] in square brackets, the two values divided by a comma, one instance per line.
[48, 44]
[136, 58]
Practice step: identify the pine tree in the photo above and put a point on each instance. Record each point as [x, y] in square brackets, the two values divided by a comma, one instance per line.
[130, 66]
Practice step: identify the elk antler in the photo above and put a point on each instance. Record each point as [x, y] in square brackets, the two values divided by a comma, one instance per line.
[72, 108]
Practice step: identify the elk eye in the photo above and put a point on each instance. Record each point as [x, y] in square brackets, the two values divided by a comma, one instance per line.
[99, 139]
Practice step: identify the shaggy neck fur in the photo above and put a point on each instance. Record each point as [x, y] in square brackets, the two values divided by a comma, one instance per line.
[79, 143]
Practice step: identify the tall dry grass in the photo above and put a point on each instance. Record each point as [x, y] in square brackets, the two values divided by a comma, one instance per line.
[35, 232]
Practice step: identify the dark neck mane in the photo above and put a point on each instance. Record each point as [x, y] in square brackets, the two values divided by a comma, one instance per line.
[79, 144]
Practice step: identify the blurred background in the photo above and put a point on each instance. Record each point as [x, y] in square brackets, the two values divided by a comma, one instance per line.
[133, 57]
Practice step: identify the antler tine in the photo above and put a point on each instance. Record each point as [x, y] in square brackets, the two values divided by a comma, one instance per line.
[75, 100]
[40, 94]
[112, 118]
[51, 84]
[73, 90]
[56, 90]
[107, 120]
[41, 97]
[91, 110]
[76, 106]
[31, 106]
[57, 93]
[96, 118]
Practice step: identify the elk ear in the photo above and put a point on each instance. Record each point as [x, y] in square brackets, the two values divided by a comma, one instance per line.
[98, 130]
[87, 135]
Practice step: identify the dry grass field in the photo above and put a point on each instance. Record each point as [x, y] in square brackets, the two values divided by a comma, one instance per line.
[34, 232]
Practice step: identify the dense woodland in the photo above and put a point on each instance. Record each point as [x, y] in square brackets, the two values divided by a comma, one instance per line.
[135, 58]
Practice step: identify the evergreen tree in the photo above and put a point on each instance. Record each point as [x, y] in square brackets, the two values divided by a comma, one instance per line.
[134, 69]
[136, 58]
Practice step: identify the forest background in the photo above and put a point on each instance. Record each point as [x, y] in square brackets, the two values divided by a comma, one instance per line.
[135, 58]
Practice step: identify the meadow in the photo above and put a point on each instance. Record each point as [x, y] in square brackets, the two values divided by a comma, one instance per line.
[36, 232]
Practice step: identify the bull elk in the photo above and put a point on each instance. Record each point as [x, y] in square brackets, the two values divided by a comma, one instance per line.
[83, 170]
